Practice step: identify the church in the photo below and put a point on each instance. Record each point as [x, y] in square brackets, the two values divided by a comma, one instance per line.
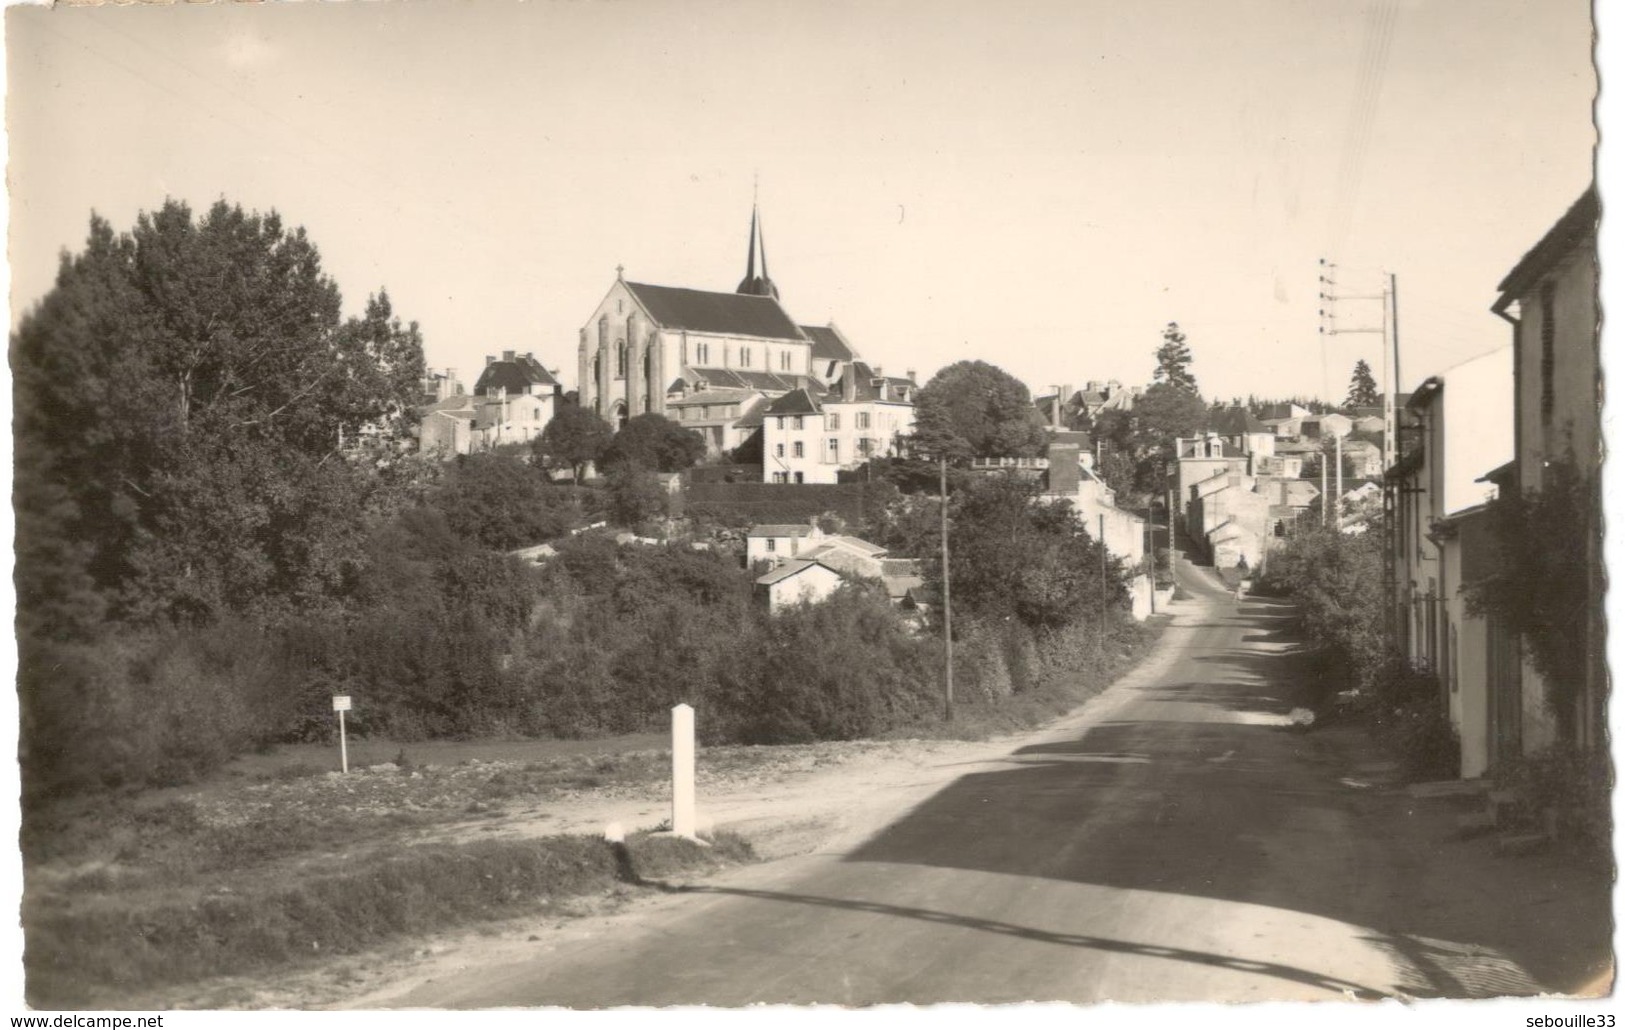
[711, 361]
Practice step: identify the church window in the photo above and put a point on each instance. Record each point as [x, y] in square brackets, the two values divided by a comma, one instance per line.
[798, 452]
[620, 359]
[603, 331]
[834, 419]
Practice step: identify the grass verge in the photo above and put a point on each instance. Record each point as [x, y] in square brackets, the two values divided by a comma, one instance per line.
[84, 950]
[1066, 681]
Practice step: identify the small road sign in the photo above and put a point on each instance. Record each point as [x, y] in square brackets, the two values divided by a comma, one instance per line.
[341, 702]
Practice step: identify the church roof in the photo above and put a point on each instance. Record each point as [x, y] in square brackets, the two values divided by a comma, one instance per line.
[728, 314]
[828, 343]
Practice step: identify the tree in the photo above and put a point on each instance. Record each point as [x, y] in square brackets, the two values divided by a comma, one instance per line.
[654, 442]
[635, 495]
[501, 503]
[974, 409]
[1362, 387]
[1145, 434]
[181, 396]
[1174, 360]
[574, 438]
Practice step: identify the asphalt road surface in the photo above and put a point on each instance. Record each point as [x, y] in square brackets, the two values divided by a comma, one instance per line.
[1180, 840]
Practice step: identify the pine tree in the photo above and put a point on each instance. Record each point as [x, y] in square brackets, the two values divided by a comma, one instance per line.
[1174, 360]
[1362, 387]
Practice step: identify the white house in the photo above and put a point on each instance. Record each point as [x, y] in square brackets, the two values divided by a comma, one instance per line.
[777, 542]
[808, 437]
[797, 582]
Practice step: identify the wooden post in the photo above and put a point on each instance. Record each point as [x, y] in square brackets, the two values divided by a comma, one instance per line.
[682, 771]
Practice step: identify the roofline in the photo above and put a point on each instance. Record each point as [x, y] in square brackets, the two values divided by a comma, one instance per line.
[1424, 394]
[1579, 221]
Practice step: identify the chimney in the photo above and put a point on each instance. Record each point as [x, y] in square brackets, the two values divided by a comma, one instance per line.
[507, 355]
[911, 376]
[1055, 411]
[490, 359]
[849, 382]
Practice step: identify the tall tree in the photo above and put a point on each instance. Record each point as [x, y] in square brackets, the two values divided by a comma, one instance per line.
[1362, 387]
[974, 409]
[574, 437]
[654, 442]
[1145, 434]
[181, 395]
[1174, 360]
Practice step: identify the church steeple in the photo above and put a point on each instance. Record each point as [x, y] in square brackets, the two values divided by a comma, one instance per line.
[753, 284]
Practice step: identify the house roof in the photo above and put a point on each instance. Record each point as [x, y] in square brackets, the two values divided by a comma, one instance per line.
[828, 344]
[724, 396]
[777, 530]
[793, 567]
[728, 314]
[458, 402]
[844, 560]
[861, 546]
[796, 402]
[754, 413]
[1571, 231]
[869, 385]
[1301, 491]
[516, 375]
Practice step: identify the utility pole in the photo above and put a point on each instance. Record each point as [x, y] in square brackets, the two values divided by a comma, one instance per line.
[947, 606]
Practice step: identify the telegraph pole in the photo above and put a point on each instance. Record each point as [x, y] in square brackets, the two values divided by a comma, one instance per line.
[947, 607]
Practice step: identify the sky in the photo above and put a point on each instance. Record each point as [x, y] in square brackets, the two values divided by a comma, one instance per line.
[1043, 185]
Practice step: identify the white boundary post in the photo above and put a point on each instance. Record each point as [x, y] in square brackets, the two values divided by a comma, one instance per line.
[682, 771]
[341, 704]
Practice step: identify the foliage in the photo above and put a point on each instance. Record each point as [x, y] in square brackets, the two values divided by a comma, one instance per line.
[1336, 581]
[1543, 582]
[1013, 555]
[502, 503]
[635, 495]
[574, 438]
[973, 409]
[1139, 442]
[654, 442]
[1363, 391]
[1567, 789]
[181, 395]
[1174, 360]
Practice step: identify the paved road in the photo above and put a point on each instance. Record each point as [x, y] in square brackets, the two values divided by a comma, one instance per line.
[1180, 841]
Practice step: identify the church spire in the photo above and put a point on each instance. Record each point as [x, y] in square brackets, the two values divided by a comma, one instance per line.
[759, 286]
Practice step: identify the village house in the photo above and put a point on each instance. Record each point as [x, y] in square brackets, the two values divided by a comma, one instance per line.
[1440, 494]
[810, 437]
[514, 399]
[810, 565]
[1550, 300]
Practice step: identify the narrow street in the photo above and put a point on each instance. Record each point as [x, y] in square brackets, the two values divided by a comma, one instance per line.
[1179, 839]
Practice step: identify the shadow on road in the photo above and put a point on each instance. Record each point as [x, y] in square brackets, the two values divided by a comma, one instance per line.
[1199, 789]
[1074, 940]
